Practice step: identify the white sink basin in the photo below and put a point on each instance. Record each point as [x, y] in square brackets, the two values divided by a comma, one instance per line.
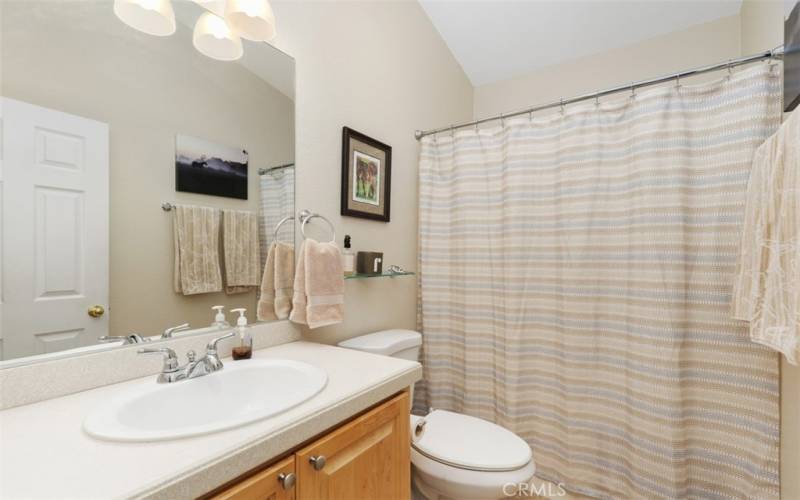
[241, 393]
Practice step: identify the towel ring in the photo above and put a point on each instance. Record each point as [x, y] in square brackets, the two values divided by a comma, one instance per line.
[306, 216]
[278, 226]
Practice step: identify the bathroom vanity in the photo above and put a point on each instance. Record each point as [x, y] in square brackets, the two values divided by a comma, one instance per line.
[358, 422]
[367, 457]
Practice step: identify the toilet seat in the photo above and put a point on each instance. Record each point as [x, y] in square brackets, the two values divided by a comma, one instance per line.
[468, 443]
[436, 480]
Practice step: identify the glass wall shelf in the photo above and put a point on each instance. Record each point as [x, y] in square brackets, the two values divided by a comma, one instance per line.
[382, 275]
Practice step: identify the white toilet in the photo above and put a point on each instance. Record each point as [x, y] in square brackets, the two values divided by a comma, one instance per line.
[454, 456]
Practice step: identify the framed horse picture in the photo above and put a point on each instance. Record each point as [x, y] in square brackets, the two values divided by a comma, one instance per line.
[366, 176]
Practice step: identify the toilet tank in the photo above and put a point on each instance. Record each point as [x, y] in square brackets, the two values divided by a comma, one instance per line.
[395, 343]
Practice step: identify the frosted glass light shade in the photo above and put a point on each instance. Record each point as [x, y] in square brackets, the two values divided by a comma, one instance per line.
[214, 38]
[154, 17]
[252, 19]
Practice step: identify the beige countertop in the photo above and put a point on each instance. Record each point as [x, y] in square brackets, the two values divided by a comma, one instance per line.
[44, 452]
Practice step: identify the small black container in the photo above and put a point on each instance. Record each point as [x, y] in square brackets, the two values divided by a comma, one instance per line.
[369, 263]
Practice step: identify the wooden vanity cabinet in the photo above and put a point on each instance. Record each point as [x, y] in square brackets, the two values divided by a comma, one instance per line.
[366, 458]
[278, 482]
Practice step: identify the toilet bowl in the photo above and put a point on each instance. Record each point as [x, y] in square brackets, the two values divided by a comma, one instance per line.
[455, 456]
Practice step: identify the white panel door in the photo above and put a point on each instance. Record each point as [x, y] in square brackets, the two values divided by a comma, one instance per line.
[54, 229]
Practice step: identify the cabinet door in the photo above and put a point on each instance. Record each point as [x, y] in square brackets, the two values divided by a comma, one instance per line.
[368, 458]
[274, 483]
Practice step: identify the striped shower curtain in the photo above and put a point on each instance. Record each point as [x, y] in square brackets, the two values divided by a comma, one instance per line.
[575, 281]
[277, 202]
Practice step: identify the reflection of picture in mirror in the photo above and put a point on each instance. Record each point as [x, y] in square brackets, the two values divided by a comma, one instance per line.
[204, 167]
[366, 178]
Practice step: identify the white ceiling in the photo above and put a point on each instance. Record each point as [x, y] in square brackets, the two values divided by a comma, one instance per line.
[494, 40]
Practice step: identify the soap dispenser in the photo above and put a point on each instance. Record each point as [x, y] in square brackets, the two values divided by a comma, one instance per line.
[348, 258]
[245, 348]
[219, 318]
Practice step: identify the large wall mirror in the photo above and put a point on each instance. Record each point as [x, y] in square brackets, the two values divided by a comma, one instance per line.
[109, 133]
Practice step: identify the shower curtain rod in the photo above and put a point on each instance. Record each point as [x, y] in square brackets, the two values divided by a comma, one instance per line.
[776, 53]
[262, 171]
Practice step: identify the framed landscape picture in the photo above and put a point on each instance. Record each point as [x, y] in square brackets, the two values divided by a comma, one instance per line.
[366, 176]
[205, 167]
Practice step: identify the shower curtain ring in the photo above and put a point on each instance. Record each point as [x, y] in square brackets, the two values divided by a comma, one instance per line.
[561, 103]
[771, 61]
[452, 130]
[633, 91]
[597, 99]
[502, 119]
[730, 69]
[678, 80]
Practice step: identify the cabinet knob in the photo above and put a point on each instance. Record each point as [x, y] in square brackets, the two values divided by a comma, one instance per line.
[318, 462]
[287, 480]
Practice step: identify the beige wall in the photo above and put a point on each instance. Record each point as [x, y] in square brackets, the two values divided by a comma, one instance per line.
[696, 46]
[382, 69]
[78, 58]
[761, 25]
[762, 29]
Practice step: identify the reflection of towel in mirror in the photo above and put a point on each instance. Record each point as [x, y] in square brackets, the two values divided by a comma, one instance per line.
[240, 246]
[196, 241]
[318, 285]
[276, 283]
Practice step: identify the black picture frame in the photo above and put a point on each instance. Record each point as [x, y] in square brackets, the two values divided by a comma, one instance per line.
[349, 203]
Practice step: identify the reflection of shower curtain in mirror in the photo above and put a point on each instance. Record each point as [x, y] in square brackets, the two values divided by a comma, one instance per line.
[277, 202]
[575, 287]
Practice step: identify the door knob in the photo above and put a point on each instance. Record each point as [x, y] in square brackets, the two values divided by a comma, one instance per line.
[96, 311]
[287, 480]
[318, 462]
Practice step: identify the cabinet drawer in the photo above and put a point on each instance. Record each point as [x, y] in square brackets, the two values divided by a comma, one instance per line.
[278, 482]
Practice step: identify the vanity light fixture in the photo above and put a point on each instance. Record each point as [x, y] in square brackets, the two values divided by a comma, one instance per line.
[253, 19]
[154, 17]
[217, 34]
[215, 39]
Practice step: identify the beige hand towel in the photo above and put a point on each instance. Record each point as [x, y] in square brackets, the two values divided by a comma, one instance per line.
[242, 257]
[196, 241]
[284, 279]
[766, 289]
[266, 302]
[299, 302]
[276, 283]
[318, 285]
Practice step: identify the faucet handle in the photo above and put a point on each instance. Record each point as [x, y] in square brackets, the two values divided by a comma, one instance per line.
[170, 358]
[131, 338]
[108, 338]
[211, 347]
[169, 331]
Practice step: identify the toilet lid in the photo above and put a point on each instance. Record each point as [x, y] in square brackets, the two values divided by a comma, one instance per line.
[470, 443]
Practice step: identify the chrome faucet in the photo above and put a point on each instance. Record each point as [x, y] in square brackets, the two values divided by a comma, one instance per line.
[209, 363]
[169, 331]
[172, 371]
[132, 338]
